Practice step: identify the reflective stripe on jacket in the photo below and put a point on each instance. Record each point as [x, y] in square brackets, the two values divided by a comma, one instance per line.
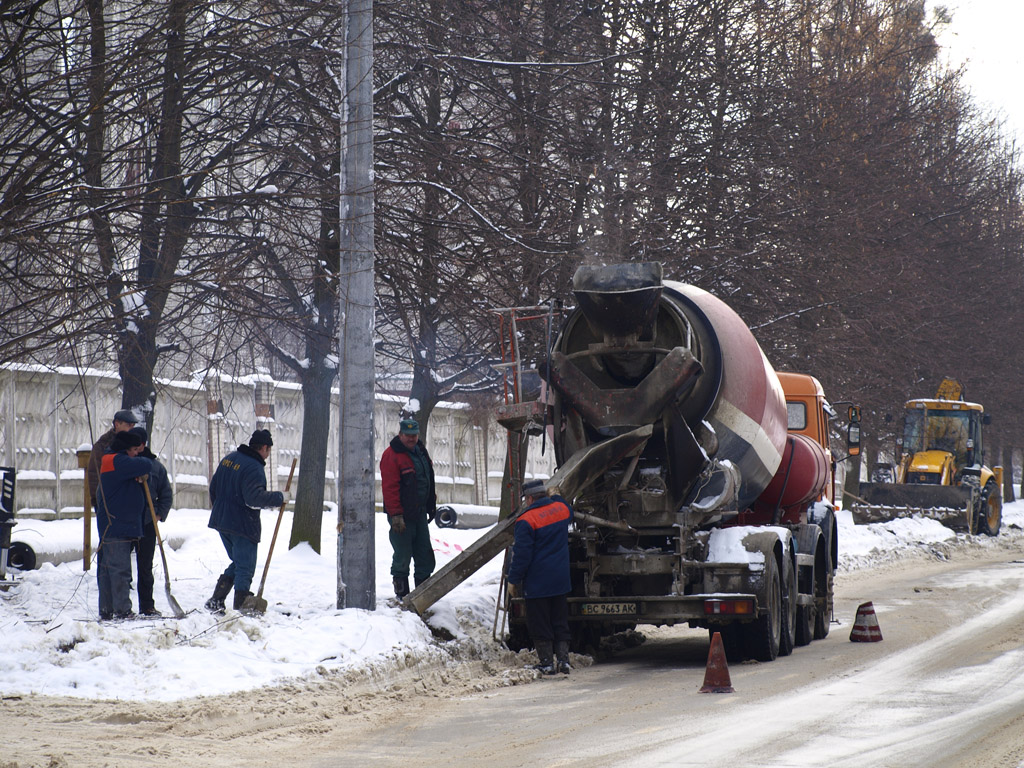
[238, 491]
[540, 554]
[120, 500]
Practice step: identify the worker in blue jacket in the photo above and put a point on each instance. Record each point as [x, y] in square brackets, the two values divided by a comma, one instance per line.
[539, 572]
[120, 502]
[238, 491]
[163, 496]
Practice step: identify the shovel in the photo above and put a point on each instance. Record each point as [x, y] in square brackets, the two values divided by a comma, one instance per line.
[178, 613]
[256, 604]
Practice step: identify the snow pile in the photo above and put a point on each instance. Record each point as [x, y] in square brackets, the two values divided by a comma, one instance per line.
[54, 644]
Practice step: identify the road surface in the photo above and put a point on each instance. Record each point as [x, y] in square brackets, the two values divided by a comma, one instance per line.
[944, 689]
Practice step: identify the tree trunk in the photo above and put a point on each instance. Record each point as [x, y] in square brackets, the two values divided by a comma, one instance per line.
[1007, 472]
[316, 419]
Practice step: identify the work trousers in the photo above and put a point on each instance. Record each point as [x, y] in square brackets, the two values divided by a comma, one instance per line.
[114, 577]
[144, 550]
[413, 545]
[242, 551]
[547, 619]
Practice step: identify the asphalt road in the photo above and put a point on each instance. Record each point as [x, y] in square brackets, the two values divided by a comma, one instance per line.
[943, 689]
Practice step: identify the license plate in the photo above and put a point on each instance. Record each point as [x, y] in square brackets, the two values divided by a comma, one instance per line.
[607, 609]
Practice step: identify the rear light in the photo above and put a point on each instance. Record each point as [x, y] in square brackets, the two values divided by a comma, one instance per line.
[729, 607]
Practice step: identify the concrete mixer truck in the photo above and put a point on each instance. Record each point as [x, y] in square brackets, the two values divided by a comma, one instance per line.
[702, 489]
[697, 503]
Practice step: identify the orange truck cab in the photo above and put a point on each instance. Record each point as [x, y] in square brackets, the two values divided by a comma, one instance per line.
[808, 413]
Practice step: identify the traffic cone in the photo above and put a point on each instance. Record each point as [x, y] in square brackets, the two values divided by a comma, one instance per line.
[865, 628]
[716, 676]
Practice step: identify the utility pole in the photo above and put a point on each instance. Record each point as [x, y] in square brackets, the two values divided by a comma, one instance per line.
[356, 566]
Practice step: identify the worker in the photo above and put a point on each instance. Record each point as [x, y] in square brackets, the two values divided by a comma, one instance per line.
[238, 491]
[539, 572]
[119, 521]
[410, 499]
[123, 421]
[162, 495]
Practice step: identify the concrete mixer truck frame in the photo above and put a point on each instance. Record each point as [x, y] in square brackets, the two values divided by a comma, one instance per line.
[704, 490]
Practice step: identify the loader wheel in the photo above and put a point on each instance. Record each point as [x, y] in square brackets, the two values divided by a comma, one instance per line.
[764, 635]
[991, 518]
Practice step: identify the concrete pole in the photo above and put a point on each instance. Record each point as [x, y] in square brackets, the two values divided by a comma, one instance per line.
[356, 561]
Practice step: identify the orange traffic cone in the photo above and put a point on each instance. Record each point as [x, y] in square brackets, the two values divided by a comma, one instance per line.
[716, 676]
[865, 628]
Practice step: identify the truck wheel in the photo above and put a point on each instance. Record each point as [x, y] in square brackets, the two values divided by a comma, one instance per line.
[823, 612]
[764, 635]
[732, 641]
[991, 517]
[518, 638]
[788, 638]
[806, 618]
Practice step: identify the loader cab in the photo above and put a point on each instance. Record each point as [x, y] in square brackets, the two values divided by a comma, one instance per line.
[943, 427]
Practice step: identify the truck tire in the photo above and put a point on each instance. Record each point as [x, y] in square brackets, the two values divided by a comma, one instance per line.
[764, 636]
[990, 518]
[823, 618]
[824, 578]
[805, 619]
[518, 637]
[732, 641]
[787, 640]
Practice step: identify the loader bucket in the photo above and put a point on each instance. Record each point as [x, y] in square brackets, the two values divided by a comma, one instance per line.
[951, 505]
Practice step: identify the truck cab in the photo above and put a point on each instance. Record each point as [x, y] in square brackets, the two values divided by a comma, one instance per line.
[808, 413]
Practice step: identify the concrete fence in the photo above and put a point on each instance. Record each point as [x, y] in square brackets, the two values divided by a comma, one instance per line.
[47, 415]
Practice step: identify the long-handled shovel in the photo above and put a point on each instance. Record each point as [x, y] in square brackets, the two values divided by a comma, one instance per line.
[256, 603]
[178, 613]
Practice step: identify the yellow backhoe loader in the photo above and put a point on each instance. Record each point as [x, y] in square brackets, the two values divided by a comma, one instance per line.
[940, 470]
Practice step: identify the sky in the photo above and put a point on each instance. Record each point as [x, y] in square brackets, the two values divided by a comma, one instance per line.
[55, 645]
[985, 36]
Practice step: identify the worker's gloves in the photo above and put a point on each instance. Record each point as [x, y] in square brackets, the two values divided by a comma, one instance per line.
[287, 497]
[512, 590]
[397, 524]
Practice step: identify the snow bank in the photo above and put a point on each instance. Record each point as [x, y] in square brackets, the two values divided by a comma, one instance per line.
[54, 645]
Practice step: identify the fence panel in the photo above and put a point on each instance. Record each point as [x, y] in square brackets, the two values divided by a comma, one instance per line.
[47, 415]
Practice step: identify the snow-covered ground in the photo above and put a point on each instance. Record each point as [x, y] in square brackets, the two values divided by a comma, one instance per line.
[53, 643]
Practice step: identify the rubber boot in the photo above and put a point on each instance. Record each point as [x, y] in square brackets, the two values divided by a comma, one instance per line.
[216, 603]
[240, 599]
[546, 664]
[562, 657]
[401, 586]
